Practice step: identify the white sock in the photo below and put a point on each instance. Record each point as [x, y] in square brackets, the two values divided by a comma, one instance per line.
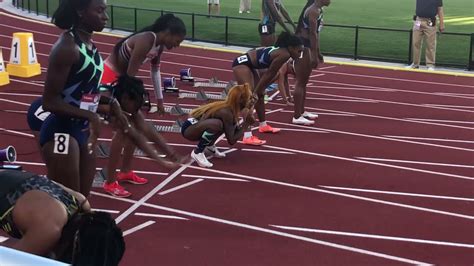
[262, 124]
[247, 134]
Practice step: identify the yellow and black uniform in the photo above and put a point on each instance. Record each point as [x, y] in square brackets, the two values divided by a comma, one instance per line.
[16, 183]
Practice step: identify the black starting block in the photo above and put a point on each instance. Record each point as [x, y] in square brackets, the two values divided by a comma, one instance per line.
[169, 85]
[175, 128]
[185, 75]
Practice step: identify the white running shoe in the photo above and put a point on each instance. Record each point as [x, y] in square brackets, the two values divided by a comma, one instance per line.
[309, 115]
[302, 121]
[201, 159]
[412, 66]
[430, 68]
[214, 151]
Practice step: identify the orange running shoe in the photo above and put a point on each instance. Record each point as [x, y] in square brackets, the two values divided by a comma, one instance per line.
[131, 177]
[253, 140]
[115, 189]
[268, 129]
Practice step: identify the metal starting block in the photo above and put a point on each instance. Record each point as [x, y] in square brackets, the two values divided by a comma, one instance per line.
[177, 110]
[169, 85]
[175, 128]
[185, 75]
[203, 96]
[102, 150]
[99, 178]
[212, 83]
[140, 153]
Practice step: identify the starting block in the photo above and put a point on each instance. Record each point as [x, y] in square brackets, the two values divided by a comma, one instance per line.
[203, 96]
[4, 77]
[99, 178]
[102, 150]
[23, 60]
[212, 83]
[175, 128]
[140, 153]
[177, 110]
[185, 75]
[169, 85]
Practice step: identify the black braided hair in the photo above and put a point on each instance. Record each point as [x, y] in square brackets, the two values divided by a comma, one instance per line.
[66, 14]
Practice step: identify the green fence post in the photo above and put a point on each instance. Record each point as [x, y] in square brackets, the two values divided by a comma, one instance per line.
[112, 16]
[135, 11]
[37, 10]
[471, 60]
[410, 44]
[29, 6]
[226, 30]
[47, 8]
[356, 45]
[192, 27]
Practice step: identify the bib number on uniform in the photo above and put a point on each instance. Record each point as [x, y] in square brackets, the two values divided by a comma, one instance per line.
[90, 102]
[61, 143]
[242, 59]
[41, 114]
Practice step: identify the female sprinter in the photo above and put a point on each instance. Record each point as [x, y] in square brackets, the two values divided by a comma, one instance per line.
[52, 220]
[127, 57]
[71, 94]
[208, 122]
[270, 58]
[309, 25]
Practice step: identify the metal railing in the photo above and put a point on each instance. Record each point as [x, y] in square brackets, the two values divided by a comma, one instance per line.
[461, 50]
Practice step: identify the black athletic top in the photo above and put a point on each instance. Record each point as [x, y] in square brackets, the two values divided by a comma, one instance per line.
[428, 8]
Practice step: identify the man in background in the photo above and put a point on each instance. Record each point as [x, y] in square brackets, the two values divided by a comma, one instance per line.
[213, 5]
[424, 27]
[245, 6]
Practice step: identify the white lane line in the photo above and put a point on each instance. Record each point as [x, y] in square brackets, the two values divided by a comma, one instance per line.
[369, 162]
[138, 227]
[15, 102]
[3, 239]
[384, 202]
[442, 121]
[399, 193]
[416, 162]
[433, 139]
[17, 132]
[160, 216]
[392, 238]
[274, 232]
[341, 100]
[15, 111]
[105, 210]
[20, 94]
[317, 75]
[304, 130]
[457, 94]
[379, 137]
[383, 88]
[180, 187]
[335, 114]
[451, 106]
[216, 178]
[323, 68]
[350, 88]
[151, 193]
[268, 151]
[397, 79]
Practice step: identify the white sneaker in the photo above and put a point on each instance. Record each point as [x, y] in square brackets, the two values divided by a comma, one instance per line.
[248, 11]
[310, 115]
[431, 68]
[240, 11]
[412, 66]
[302, 121]
[214, 151]
[201, 159]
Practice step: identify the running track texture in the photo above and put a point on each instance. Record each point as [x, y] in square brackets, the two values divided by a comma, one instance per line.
[384, 177]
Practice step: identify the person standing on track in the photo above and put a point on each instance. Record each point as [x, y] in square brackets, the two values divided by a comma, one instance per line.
[273, 11]
[127, 57]
[270, 59]
[208, 122]
[71, 94]
[310, 24]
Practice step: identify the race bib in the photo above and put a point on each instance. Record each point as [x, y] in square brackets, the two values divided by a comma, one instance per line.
[242, 59]
[90, 102]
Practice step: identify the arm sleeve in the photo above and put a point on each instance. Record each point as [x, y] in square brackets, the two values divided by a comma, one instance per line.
[156, 79]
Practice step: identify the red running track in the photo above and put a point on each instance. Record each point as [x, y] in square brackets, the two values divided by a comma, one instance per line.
[384, 177]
